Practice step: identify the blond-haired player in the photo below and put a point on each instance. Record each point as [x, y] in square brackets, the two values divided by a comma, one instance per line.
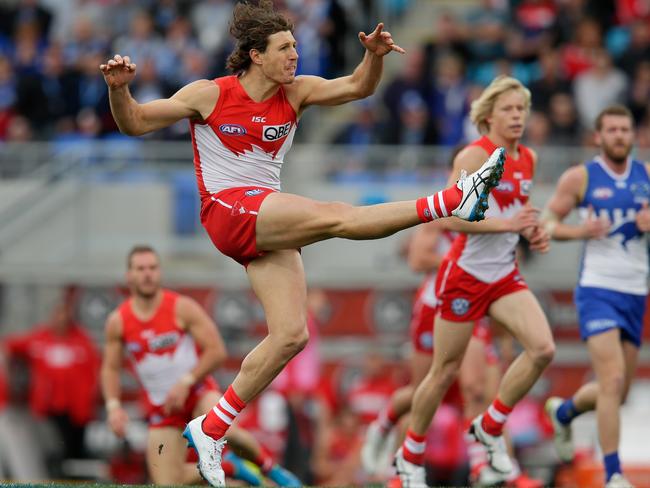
[479, 277]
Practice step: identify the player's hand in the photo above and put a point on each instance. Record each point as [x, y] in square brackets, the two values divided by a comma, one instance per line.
[176, 398]
[118, 71]
[526, 218]
[117, 421]
[594, 227]
[379, 42]
[539, 240]
[643, 218]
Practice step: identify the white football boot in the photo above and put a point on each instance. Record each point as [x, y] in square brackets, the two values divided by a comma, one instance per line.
[498, 456]
[477, 187]
[561, 432]
[209, 451]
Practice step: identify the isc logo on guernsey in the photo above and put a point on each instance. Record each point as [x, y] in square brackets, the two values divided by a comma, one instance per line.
[272, 133]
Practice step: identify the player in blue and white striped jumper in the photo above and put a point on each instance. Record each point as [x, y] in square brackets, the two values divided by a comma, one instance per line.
[611, 193]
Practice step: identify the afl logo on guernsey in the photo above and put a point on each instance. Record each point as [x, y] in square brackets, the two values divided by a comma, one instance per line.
[232, 129]
[272, 133]
[602, 193]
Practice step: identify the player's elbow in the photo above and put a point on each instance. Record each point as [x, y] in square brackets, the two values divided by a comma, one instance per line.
[131, 130]
[365, 91]
[218, 356]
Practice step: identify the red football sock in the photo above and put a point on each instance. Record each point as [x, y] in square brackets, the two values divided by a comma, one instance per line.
[223, 414]
[495, 417]
[387, 418]
[264, 461]
[439, 204]
[413, 448]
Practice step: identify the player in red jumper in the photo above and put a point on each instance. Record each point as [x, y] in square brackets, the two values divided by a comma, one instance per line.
[173, 347]
[242, 126]
[480, 277]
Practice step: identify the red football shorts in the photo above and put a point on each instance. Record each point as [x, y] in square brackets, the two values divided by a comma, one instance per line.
[230, 216]
[422, 324]
[157, 418]
[463, 298]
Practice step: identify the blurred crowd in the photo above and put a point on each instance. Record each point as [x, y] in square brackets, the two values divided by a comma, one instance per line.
[564, 50]
[50, 52]
[576, 56]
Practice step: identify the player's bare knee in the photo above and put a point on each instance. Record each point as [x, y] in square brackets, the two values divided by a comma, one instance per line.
[446, 373]
[294, 341]
[613, 383]
[543, 354]
[338, 219]
[472, 390]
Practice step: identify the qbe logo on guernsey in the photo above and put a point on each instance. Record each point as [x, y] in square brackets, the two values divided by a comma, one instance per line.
[272, 133]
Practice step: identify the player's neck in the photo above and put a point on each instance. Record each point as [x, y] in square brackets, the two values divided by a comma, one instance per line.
[618, 167]
[257, 86]
[145, 307]
[511, 145]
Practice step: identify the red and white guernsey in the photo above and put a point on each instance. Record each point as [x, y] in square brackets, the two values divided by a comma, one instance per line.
[242, 142]
[159, 350]
[490, 257]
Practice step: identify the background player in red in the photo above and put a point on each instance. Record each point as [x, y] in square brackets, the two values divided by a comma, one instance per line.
[242, 126]
[479, 277]
[173, 347]
[63, 363]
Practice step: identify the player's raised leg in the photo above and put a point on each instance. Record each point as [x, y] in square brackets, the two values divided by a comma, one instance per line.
[290, 221]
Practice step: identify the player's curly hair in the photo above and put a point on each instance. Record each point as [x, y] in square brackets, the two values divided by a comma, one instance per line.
[251, 26]
[483, 106]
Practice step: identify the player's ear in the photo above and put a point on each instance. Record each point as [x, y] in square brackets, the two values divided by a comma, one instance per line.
[597, 139]
[256, 56]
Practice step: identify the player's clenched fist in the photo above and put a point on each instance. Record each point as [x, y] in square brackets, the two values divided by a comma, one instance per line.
[118, 71]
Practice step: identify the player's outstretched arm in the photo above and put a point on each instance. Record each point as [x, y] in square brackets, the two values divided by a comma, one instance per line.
[361, 83]
[194, 100]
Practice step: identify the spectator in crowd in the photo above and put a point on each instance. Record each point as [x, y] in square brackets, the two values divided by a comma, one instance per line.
[64, 366]
[550, 81]
[7, 95]
[413, 79]
[416, 127]
[30, 12]
[142, 40]
[609, 83]
[538, 130]
[639, 93]
[638, 48]
[535, 20]
[578, 55]
[210, 19]
[486, 32]
[449, 101]
[565, 128]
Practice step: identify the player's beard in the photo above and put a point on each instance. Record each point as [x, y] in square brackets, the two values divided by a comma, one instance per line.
[147, 292]
[617, 154]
